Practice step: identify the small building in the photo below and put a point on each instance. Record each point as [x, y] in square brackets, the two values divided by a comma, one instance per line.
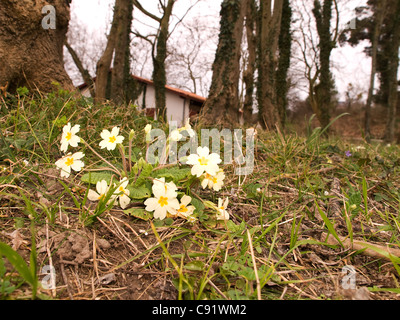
[180, 104]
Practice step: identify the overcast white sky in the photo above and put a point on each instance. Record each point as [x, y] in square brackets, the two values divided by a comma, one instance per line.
[349, 64]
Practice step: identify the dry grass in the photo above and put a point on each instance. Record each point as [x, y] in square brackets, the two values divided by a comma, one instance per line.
[310, 194]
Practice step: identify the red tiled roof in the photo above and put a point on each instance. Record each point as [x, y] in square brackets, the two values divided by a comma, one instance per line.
[182, 93]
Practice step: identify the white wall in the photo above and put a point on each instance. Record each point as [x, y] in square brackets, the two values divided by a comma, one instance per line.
[175, 104]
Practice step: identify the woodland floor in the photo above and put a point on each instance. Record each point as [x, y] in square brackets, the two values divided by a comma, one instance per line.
[119, 257]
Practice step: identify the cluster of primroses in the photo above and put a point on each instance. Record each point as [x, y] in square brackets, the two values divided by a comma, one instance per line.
[164, 202]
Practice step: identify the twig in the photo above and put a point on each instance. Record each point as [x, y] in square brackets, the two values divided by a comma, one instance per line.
[97, 154]
[66, 280]
[254, 265]
[52, 279]
[366, 248]
[218, 290]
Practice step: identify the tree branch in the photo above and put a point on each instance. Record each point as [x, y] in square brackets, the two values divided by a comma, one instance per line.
[85, 74]
[147, 13]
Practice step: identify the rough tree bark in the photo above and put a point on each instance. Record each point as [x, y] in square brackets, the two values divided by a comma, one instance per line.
[323, 16]
[104, 64]
[159, 53]
[285, 45]
[268, 37]
[222, 105]
[120, 76]
[159, 74]
[392, 74]
[379, 16]
[118, 48]
[248, 74]
[31, 55]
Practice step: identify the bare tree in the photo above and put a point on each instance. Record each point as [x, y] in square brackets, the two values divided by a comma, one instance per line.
[118, 44]
[250, 67]
[379, 16]
[189, 58]
[315, 37]
[269, 21]
[158, 42]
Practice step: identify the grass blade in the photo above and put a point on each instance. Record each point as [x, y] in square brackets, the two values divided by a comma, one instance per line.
[328, 224]
[18, 262]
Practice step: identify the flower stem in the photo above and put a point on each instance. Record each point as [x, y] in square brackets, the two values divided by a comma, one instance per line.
[95, 152]
[122, 151]
[130, 155]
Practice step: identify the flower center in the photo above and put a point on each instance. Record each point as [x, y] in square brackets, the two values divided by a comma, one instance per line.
[211, 178]
[203, 161]
[112, 139]
[101, 197]
[183, 208]
[69, 162]
[68, 136]
[163, 201]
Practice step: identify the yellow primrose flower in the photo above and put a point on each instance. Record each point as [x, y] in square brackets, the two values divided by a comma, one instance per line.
[69, 137]
[147, 130]
[70, 161]
[123, 193]
[203, 161]
[185, 211]
[175, 135]
[102, 189]
[110, 139]
[222, 214]
[188, 128]
[164, 200]
[213, 182]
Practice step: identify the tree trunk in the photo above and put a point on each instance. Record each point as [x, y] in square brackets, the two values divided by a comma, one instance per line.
[379, 15]
[118, 44]
[104, 64]
[159, 74]
[392, 73]
[222, 105]
[248, 76]
[31, 50]
[285, 44]
[268, 37]
[323, 18]
[120, 75]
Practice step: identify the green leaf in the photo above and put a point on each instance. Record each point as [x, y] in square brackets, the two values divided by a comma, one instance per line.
[199, 205]
[144, 174]
[328, 224]
[233, 227]
[139, 193]
[18, 262]
[175, 174]
[94, 177]
[139, 213]
[251, 190]
[196, 265]
[355, 198]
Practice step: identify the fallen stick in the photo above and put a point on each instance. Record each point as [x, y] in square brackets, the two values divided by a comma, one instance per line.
[369, 249]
